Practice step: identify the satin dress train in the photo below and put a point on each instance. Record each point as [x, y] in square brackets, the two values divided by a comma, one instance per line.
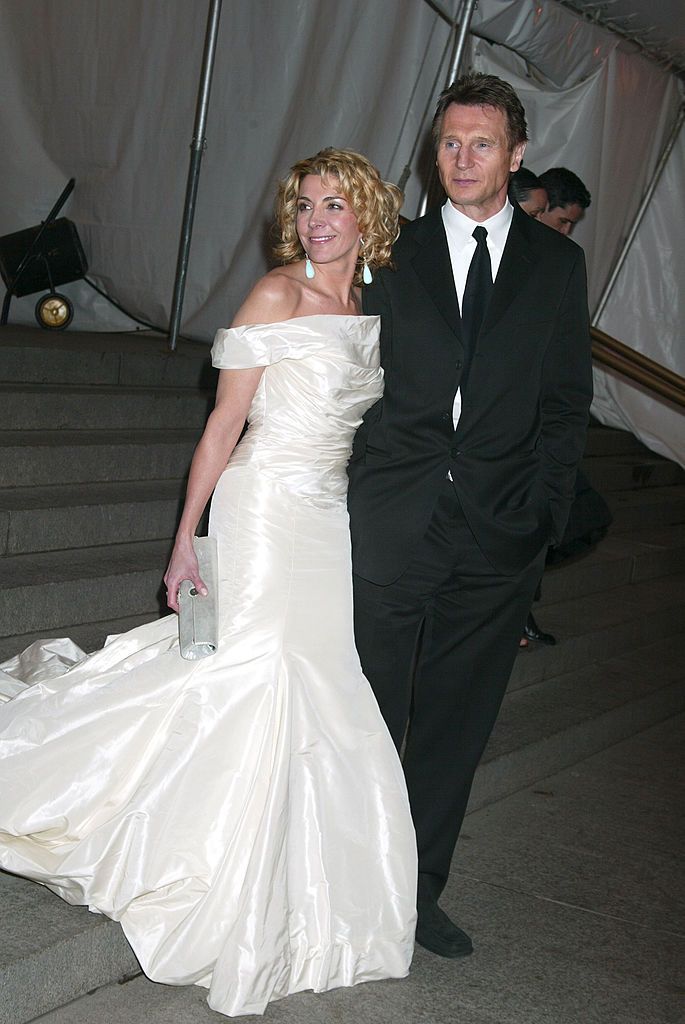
[244, 817]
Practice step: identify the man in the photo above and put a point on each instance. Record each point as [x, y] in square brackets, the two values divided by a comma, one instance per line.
[567, 199]
[463, 473]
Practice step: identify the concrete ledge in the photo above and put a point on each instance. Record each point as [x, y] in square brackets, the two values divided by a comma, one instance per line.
[619, 559]
[608, 441]
[603, 625]
[88, 357]
[573, 698]
[652, 506]
[48, 608]
[51, 953]
[86, 515]
[104, 408]
[49, 591]
[39, 458]
[502, 776]
[632, 472]
[90, 636]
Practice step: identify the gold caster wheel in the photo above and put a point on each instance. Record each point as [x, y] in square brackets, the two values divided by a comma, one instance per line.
[54, 311]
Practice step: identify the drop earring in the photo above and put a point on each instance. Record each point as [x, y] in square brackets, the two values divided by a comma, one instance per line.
[367, 276]
[309, 271]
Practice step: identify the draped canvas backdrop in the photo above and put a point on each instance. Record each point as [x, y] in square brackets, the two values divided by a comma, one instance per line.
[606, 112]
[106, 92]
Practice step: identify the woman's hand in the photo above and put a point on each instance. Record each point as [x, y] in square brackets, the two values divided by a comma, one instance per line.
[182, 566]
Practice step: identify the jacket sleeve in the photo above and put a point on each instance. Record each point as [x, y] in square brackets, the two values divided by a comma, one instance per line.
[566, 397]
[376, 301]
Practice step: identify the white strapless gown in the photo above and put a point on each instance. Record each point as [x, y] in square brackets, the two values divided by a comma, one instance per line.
[244, 817]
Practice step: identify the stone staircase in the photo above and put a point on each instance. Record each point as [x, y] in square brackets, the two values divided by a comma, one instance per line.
[98, 435]
[619, 617]
[93, 454]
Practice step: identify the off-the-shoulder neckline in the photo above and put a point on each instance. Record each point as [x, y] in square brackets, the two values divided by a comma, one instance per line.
[309, 316]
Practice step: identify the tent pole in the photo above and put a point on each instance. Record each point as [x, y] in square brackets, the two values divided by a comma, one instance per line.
[642, 209]
[464, 16]
[197, 147]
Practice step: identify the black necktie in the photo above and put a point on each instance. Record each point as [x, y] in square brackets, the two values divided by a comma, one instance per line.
[476, 295]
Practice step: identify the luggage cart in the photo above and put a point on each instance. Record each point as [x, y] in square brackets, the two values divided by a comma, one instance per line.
[40, 258]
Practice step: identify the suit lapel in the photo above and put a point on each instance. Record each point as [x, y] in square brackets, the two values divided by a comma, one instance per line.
[433, 267]
[517, 262]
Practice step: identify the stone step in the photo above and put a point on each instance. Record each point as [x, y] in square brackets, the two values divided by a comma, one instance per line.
[608, 441]
[51, 953]
[90, 636]
[34, 519]
[560, 721]
[619, 559]
[630, 472]
[45, 593]
[42, 457]
[594, 627]
[114, 576]
[103, 408]
[651, 506]
[30, 356]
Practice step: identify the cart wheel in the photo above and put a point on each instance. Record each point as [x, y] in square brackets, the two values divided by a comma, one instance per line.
[54, 311]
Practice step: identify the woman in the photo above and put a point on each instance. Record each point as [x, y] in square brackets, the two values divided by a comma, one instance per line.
[243, 816]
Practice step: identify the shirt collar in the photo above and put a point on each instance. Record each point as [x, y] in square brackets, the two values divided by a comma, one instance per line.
[460, 227]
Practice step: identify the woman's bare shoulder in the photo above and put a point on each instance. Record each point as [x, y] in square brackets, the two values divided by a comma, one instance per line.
[275, 297]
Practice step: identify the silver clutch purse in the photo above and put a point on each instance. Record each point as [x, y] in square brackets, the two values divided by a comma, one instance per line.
[198, 616]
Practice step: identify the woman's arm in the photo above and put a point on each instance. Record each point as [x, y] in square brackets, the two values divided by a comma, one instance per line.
[235, 391]
[274, 298]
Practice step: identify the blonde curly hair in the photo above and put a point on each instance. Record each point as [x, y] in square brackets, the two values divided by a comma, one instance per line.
[376, 205]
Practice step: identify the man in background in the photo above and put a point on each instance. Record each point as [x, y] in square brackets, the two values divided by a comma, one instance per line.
[567, 199]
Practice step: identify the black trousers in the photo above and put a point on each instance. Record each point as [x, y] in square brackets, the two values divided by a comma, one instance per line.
[438, 646]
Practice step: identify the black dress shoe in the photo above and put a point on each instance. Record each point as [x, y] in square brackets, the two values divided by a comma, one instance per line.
[533, 632]
[435, 931]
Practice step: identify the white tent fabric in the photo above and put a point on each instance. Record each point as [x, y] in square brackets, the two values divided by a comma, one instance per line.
[645, 310]
[106, 92]
[591, 107]
[606, 113]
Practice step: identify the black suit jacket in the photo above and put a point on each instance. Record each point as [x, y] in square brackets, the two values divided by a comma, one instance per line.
[521, 433]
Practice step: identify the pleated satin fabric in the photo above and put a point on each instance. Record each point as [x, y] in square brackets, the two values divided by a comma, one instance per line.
[244, 817]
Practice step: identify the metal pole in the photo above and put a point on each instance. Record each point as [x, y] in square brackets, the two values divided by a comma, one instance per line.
[642, 209]
[465, 16]
[197, 147]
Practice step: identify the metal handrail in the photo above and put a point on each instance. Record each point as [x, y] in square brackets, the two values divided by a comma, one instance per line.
[637, 367]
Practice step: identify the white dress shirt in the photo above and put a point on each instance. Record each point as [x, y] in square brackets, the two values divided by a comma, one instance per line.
[462, 245]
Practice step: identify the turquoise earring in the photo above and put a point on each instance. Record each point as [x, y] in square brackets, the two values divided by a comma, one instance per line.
[367, 276]
[309, 271]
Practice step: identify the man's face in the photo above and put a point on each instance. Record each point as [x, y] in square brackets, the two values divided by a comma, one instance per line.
[474, 160]
[535, 203]
[563, 218]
